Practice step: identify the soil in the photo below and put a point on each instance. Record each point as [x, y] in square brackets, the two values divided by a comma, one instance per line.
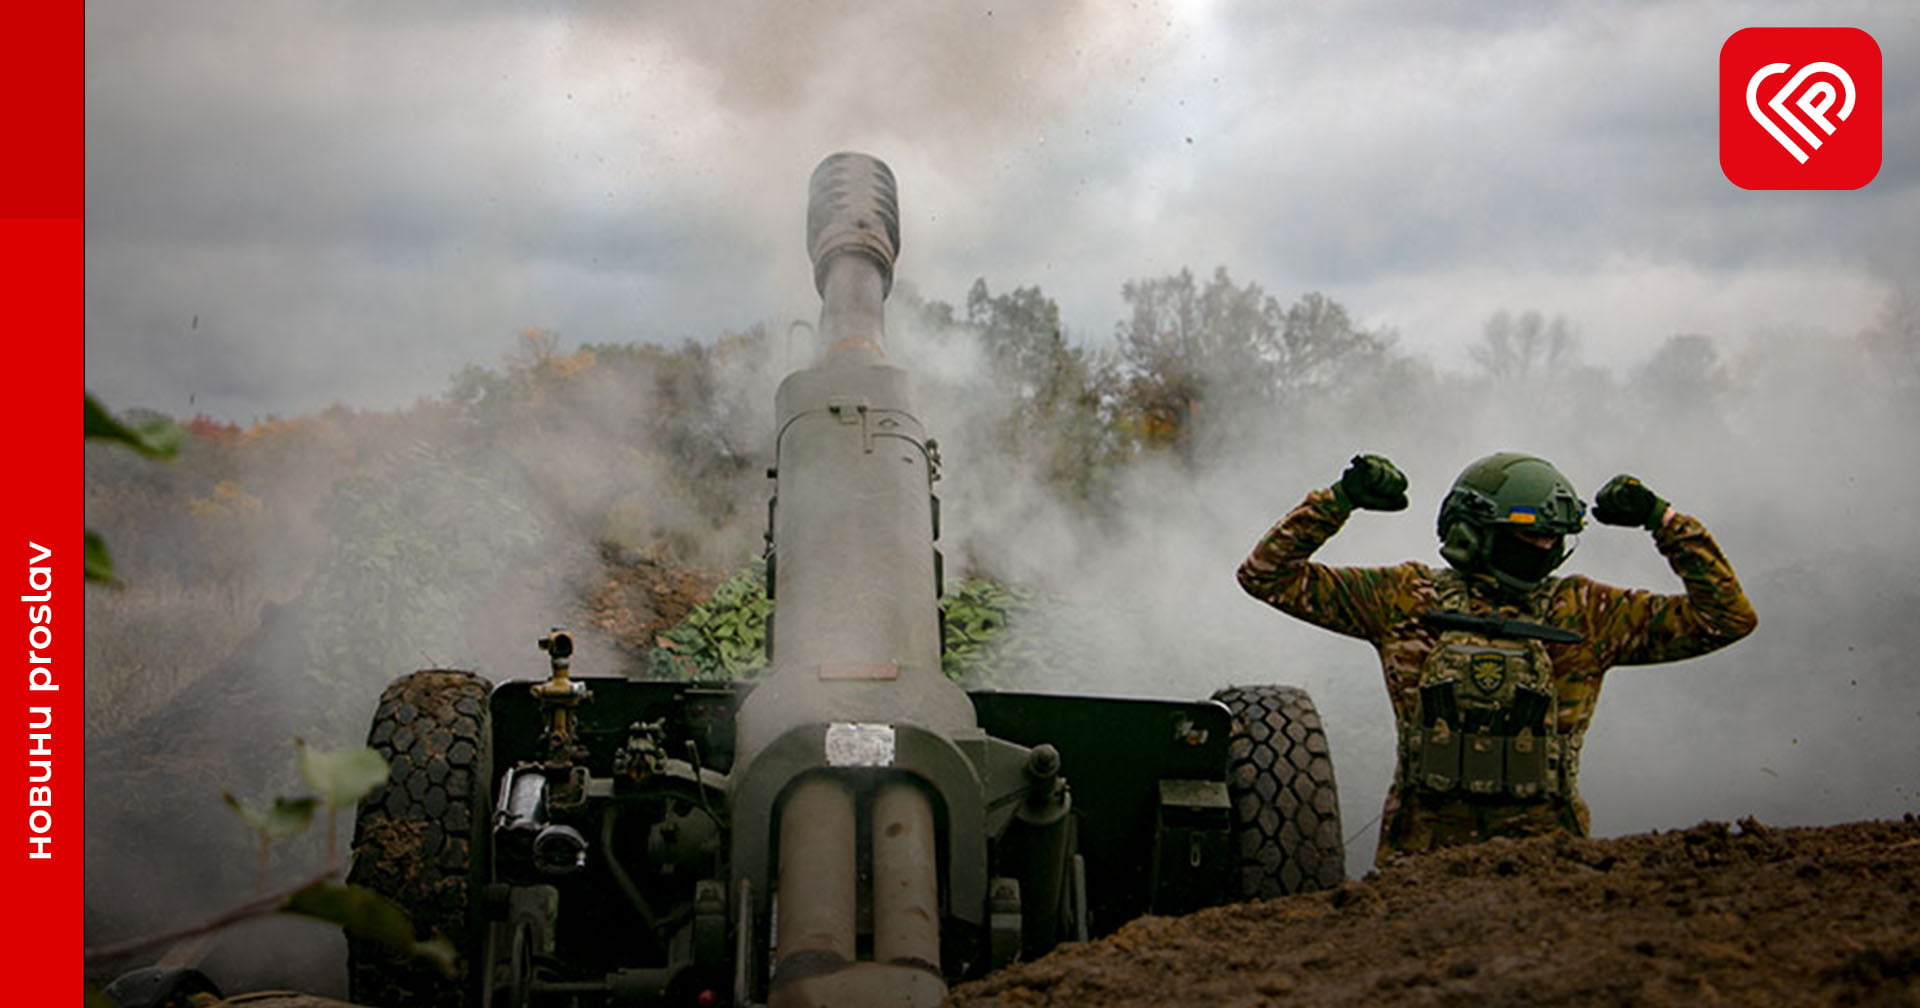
[1713, 915]
[640, 597]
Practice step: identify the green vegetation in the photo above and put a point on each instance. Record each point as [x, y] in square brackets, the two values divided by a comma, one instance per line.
[337, 781]
[725, 636]
[156, 438]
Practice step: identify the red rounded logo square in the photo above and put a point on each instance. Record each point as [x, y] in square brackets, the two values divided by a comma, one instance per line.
[1800, 108]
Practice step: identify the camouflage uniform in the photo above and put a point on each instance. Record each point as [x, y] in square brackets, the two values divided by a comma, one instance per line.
[1384, 605]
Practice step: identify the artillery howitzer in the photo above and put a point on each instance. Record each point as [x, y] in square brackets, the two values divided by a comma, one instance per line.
[850, 827]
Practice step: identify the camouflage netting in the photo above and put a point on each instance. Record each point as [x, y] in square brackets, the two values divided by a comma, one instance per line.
[992, 635]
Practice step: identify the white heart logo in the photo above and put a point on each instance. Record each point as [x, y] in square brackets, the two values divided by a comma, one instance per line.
[1814, 102]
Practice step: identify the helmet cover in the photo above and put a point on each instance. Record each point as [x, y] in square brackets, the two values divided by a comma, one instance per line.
[1498, 496]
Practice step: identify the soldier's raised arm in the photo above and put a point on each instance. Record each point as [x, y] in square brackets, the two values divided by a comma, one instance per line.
[1642, 627]
[1356, 601]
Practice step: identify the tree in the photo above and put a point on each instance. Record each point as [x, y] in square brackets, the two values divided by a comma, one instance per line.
[1683, 382]
[1022, 335]
[537, 346]
[1185, 348]
[1324, 347]
[1528, 346]
[1057, 420]
[1191, 355]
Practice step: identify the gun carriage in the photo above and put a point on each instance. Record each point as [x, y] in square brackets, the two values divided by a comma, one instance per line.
[850, 827]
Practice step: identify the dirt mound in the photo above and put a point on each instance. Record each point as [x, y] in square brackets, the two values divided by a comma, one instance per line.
[640, 597]
[1716, 914]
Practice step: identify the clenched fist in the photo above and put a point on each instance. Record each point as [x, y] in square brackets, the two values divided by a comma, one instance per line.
[1627, 501]
[1373, 483]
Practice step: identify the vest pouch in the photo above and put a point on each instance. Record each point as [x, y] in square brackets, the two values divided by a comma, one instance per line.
[1527, 765]
[1482, 757]
[1436, 759]
[1435, 750]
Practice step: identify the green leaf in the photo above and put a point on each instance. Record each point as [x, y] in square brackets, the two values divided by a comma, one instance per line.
[97, 564]
[276, 822]
[363, 913]
[344, 777]
[160, 438]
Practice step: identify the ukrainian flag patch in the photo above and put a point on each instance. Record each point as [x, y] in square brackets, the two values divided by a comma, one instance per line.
[1523, 516]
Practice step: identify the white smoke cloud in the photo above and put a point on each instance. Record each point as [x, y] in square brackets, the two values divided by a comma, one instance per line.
[1809, 721]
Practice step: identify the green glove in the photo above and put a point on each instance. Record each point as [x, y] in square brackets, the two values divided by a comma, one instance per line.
[1627, 501]
[1373, 483]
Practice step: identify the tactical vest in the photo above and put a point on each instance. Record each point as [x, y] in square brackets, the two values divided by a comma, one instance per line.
[1484, 726]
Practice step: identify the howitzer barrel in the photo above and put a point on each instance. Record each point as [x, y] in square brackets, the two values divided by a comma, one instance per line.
[852, 735]
[855, 577]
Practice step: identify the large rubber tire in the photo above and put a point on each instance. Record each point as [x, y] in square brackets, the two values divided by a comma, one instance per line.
[1286, 809]
[420, 838]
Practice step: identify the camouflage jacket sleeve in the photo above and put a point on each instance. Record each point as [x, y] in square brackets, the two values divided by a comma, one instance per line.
[1637, 627]
[1356, 601]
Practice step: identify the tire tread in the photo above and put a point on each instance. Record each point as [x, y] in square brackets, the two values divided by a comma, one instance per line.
[419, 838]
[1286, 810]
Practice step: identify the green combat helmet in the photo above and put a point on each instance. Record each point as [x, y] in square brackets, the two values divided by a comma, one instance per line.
[1501, 494]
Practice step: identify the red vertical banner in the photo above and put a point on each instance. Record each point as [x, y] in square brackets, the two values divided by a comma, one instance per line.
[42, 247]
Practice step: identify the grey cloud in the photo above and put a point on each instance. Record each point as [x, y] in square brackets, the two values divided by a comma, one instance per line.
[633, 172]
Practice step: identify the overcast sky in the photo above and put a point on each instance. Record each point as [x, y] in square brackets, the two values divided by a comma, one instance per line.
[293, 205]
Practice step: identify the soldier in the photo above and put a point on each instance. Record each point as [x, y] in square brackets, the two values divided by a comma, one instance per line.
[1492, 664]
